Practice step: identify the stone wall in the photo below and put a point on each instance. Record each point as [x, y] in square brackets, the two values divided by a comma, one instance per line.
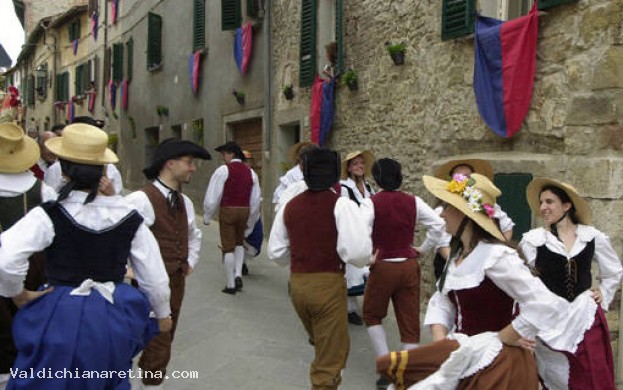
[39, 9]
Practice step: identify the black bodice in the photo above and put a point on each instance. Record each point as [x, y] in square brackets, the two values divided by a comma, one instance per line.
[565, 278]
[78, 253]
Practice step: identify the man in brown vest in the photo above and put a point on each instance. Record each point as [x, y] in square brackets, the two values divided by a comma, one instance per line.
[316, 233]
[171, 217]
[20, 191]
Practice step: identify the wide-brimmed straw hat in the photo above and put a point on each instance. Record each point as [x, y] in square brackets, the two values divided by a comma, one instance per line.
[368, 159]
[480, 166]
[533, 194]
[18, 152]
[474, 196]
[83, 144]
[295, 150]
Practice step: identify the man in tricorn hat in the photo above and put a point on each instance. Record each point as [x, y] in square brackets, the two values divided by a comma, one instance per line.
[316, 233]
[171, 217]
[234, 189]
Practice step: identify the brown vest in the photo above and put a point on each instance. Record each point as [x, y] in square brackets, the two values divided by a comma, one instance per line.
[310, 221]
[170, 229]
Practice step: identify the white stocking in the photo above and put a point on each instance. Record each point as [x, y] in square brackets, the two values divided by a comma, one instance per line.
[379, 341]
[230, 264]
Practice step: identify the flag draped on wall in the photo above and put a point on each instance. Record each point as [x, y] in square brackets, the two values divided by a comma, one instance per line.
[91, 103]
[94, 26]
[112, 89]
[322, 109]
[124, 94]
[243, 46]
[114, 5]
[194, 64]
[505, 64]
[71, 111]
[74, 45]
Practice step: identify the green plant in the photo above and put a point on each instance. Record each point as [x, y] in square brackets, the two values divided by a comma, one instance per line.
[349, 77]
[393, 48]
[288, 91]
[162, 110]
[287, 88]
[132, 126]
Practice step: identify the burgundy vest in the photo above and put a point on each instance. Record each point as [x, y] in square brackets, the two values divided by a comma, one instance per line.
[394, 223]
[310, 221]
[484, 308]
[238, 186]
[170, 229]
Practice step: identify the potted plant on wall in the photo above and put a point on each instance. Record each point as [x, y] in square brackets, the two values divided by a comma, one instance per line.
[288, 92]
[396, 51]
[239, 96]
[350, 79]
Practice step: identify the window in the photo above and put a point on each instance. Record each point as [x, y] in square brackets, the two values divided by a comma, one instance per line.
[30, 90]
[339, 35]
[81, 79]
[129, 45]
[308, 43]
[513, 200]
[92, 68]
[254, 7]
[62, 87]
[74, 30]
[547, 4]
[457, 18]
[505, 9]
[199, 25]
[154, 41]
[231, 14]
[117, 62]
[93, 7]
[41, 86]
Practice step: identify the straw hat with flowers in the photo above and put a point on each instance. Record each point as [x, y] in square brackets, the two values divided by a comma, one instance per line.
[533, 194]
[83, 144]
[483, 167]
[368, 159]
[474, 196]
[18, 152]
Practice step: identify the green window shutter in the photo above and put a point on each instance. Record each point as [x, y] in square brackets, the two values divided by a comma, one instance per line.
[154, 41]
[129, 45]
[41, 86]
[31, 90]
[339, 34]
[77, 80]
[308, 43]
[231, 14]
[57, 91]
[513, 200]
[117, 62]
[81, 80]
[199, 25]
[62, 86]
[547, 4]
[457, 18]
[74, 30]
[253, 8]
[93, 6]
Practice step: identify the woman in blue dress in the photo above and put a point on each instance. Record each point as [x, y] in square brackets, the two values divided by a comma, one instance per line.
[82, 331]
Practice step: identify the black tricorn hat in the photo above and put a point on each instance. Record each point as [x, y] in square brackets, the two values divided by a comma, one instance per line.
[89, 121]
[387, 174]
[172, 148]
[231, 147]
[321, 169]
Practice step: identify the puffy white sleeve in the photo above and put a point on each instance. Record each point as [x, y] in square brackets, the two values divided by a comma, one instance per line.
[539, 308]
[436, 227]
[610, 270]
[254, 204]
[354, 244]
[506, 223]
[194, 234]
[278, 248]
[47, 193]
[113, 174]
[530, 242]
[140, 201]
[440, 311]
[53, 176]
[214, 193]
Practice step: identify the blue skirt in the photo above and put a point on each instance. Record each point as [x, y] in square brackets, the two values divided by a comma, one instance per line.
[80, 342]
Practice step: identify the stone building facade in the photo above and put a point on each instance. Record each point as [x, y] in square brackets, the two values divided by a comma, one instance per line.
[424, 112]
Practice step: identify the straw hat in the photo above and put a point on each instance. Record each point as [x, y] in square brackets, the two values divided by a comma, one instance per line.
[18, 152]
[533, 194]
[247, 154]
[293, 152]
[482, 167]
[83, 144]
[457, 194]
[368, 159]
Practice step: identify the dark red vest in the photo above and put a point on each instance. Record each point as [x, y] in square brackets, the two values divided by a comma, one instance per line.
[394, 224]
[238, 186]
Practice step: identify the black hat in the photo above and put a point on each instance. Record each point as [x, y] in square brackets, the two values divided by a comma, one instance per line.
[321, 169]
[89, 121]
[172, 148]
[387, 173]
[231, 147]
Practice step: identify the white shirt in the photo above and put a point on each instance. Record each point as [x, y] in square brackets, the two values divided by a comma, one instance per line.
[350, 183]
[140, 201]
[35, 232]
[353, 246]
[15, 184]
[214, 193]
[294, 175]
[54, 177]
[425, 215]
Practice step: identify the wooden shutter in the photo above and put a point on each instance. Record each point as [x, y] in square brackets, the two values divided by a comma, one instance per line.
[308, 43]
[154, 41]
[457, 18]
[74, 30]
[339, 35]
[92, 65]
[30, 89]
[130, 51]
[42, 87]
[93, 7]
[105, 73]
[81, 79]
[199, 25]
[547, 4]
[253, 8]
[117, 62]
[513, 200]
[231, 14]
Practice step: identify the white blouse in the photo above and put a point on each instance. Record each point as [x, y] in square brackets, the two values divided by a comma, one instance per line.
[350, 183]
[294, 175]
[35, 232]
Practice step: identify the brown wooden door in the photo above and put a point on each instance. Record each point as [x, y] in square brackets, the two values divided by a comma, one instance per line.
[248, 135]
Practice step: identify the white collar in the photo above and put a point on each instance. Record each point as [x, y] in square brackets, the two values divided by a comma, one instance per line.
[14, 184]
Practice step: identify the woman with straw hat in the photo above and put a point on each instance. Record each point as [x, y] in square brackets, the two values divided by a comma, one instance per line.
[355, 167]
[578, 355]
[87, 319]
[479, 336]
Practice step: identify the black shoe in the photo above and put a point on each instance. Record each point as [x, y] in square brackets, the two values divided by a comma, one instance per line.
[227, 290]
[245, 270]
[238, 282]
[354, 318]
[382, 383]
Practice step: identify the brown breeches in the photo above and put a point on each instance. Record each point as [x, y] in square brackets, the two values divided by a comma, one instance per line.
[232, 224]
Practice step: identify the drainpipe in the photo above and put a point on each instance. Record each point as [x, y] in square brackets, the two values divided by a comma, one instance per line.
[266, 139]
